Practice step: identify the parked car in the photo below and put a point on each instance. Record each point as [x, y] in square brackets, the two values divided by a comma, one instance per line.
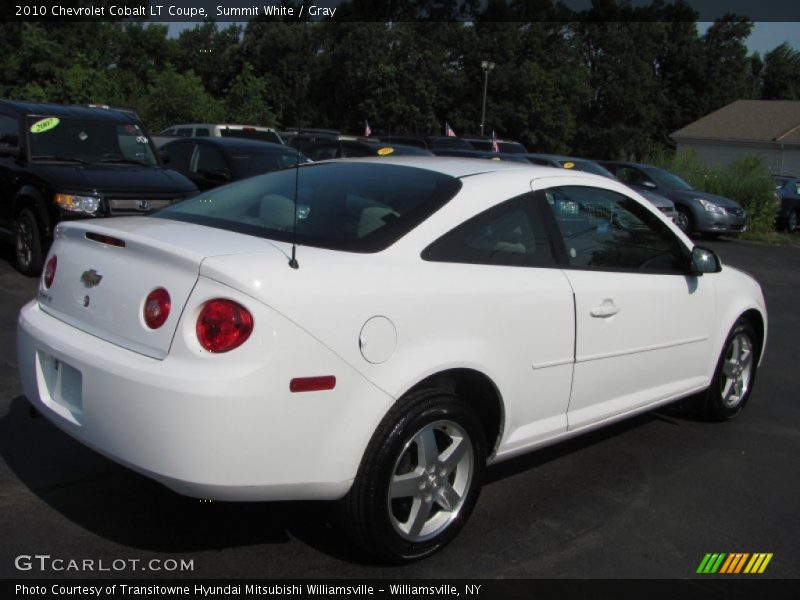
[788, 189]
[358, 148]
[250, 132]
[436, 315]
[698, 211]
[70, 162]
[431, 142]
[505, 146]
[589, 166]
[209, 162]
[300, 138]
[458, 153]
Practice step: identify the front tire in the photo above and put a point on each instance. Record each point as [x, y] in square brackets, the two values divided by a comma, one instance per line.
[419, 479]
[791, 222]
[684, 220]
[28, 243]
[735, 375]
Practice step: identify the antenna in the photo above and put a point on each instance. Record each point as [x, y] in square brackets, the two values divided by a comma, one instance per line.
[293, 260]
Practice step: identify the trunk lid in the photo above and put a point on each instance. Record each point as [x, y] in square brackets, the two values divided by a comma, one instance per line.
[100, 288]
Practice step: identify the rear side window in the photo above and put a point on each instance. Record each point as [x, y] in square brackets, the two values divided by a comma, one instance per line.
[202, 132]
[358, 207]
[9, 132]
[510, 234]
[178, 154]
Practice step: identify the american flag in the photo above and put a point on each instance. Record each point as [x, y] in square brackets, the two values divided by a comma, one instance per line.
[495, 147]
[448, 131]
[367, 130]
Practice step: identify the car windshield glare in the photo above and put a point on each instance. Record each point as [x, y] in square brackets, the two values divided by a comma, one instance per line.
[669, 180]
[87, 140]
[352, 206]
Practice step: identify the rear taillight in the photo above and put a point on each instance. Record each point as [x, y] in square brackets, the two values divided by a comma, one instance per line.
[50, 271]
[156, 308]
[223, 325]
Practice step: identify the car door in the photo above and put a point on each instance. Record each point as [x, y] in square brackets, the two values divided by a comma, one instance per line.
[520, 298]
[643, 325]
[9, 179]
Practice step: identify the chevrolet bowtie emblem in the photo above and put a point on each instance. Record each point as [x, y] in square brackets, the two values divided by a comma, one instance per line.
[91, 278]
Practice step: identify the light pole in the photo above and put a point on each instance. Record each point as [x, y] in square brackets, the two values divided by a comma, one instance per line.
[486, 66]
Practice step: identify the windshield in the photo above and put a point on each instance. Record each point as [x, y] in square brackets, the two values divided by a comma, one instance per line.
[87, 140]
[668, 180]
[354, 206]
[249, 162]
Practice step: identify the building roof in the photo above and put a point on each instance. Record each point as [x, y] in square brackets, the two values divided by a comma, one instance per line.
[750, 120]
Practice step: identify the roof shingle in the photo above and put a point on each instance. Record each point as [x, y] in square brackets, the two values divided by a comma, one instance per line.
[753, 120]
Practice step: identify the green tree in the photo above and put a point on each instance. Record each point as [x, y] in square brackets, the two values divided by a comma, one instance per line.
[781, 74]
[246, 100]
[175, 97]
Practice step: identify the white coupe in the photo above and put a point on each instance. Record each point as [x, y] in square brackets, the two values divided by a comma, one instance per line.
[375, 331]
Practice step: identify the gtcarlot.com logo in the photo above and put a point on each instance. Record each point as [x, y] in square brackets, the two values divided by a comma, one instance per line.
[45, 562]
[734, 563]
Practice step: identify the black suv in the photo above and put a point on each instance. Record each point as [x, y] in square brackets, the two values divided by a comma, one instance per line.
[71, 162]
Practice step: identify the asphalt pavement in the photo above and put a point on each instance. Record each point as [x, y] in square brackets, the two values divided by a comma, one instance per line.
[646, 498]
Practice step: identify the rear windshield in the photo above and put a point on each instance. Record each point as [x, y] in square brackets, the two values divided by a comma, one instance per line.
[353, 206]
[450, 143]
[251, 134]
[588, 167]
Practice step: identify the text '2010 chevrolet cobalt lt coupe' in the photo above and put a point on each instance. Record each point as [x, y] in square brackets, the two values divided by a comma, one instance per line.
[375, 331]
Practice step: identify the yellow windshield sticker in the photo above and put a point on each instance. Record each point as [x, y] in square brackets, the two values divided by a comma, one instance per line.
[569, 165]
[44, 125]
[385, 151]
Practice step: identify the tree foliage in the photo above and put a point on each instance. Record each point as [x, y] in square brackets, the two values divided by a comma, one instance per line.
[611, 82]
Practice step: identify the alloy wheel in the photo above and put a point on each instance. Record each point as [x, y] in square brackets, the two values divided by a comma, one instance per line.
[737, 369]
[430, 480]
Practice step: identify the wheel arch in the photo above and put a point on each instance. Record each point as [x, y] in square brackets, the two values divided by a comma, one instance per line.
[479, 391]
[29, 197]
[756, 319]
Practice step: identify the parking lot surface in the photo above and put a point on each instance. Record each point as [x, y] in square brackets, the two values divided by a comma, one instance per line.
[646, 498]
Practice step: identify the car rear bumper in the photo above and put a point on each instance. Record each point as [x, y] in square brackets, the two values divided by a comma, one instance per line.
[242, 437]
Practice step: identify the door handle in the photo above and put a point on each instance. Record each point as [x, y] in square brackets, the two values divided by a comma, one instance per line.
[606, 309]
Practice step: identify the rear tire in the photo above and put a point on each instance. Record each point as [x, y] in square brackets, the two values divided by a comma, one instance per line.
[735, 375]
[28, 243]
[419, 479]
[791, 222]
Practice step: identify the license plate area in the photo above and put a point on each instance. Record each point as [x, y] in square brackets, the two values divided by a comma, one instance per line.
[60, 386]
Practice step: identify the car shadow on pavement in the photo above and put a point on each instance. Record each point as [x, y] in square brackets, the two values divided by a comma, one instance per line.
[117, 504]
[120, 505]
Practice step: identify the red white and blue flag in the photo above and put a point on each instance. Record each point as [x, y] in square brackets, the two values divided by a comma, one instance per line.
[448, 131]
[367, 130]
[495, 147]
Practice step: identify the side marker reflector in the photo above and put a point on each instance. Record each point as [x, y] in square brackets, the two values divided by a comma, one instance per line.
[312, 384]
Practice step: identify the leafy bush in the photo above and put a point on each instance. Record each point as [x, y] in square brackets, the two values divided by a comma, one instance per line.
[747, 180]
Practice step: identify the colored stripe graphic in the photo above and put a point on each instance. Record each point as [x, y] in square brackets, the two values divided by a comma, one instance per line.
[758, 563]
[733, 563]
[711, 563]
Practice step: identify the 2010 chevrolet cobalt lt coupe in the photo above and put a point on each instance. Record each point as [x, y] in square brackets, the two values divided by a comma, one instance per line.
[375, 331]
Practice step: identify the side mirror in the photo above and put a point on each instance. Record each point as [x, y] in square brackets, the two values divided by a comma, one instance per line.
[219, 176]
[704, 260]
[164, 157]
[648, 184]
[10, 151]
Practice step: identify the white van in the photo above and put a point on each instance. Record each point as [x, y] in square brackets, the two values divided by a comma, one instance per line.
[251, 132]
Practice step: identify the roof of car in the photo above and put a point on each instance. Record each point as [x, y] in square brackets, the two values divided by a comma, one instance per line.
[457, 167]
[625, 163]
[68, 110]
[234, 142]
